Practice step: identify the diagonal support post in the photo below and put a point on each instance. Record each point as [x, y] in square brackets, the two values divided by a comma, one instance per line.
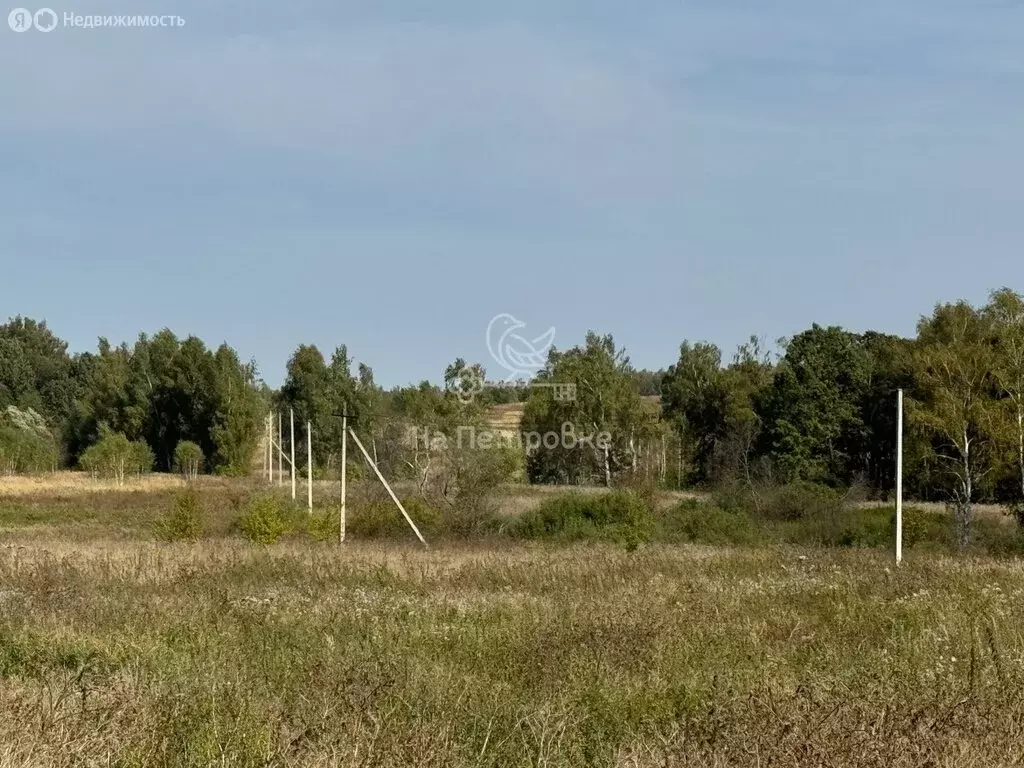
[394, 498]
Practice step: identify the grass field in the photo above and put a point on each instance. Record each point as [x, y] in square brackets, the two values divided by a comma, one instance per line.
[118, 650]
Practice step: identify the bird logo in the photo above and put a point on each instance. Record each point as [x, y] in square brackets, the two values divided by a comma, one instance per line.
[515, 353]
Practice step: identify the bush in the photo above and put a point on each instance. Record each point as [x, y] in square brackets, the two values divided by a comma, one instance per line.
[465, 481]
[380, 519]
[477, 474]
[991, 535]
[1005, 543]
[188, 459]
[705, 523]
[184, 521]
[264, 520]
[801, 501]
[115, 456]
[735, 499]
[322, 525]
[872, 527]
[918, 525]
[1016, 511]
[619, 516]
[26, 444]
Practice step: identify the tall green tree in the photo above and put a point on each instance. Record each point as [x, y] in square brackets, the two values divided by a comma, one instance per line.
[238, 416]
[746, 380]
[164, 390]
[694, 400]
[320, 393]
[116, 395]
[36, 371]
[605, 403]
[812, 413]
[953, 403]
[1005, 313]
[890, 368]
[714, 409]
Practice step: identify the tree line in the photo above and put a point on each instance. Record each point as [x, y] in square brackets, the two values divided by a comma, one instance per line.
[156, 394]
[821, 409]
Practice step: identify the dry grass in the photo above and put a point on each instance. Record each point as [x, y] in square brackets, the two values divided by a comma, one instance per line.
[118, 650]
[131, 653]
[67, 482]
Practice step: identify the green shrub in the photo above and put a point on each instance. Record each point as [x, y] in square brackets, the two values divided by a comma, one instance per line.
[735, 499]
[1016, 511]
[380, 519]
[115, 456]
[476, 475]
[1009, 544]
[188, 459]
[800, 501]
[918, 525]
[993, 536]
[26, 443]
[264, 520]
[322, 525]
[705, 523]
[619, 516]
[184, 521]
[872, 527]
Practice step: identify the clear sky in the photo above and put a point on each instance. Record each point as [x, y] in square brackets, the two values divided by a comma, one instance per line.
[391, 175]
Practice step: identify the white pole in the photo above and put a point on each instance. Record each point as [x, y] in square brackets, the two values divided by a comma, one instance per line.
[280, 448]
[899, 476]
[388, 487]
[344, 472]
[309, 465]
[291, 414]
[270, 448]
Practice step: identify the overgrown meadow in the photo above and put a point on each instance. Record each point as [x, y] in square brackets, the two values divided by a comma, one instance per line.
[149, 627]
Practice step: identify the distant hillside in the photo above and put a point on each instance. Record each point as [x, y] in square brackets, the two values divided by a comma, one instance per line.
[508, 418]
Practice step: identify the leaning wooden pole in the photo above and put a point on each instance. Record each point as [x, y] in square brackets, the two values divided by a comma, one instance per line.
[394, 498]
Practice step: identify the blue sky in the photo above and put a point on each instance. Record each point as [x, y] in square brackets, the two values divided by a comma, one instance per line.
[391, 175]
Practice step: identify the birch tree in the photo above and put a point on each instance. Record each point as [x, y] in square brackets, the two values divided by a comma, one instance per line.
[953, 403]
[604, 402]
[1005, 312]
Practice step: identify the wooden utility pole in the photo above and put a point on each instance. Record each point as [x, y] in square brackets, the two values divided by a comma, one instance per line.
[344, 473]
[899, 477]
[309, 465]
[291, 414]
